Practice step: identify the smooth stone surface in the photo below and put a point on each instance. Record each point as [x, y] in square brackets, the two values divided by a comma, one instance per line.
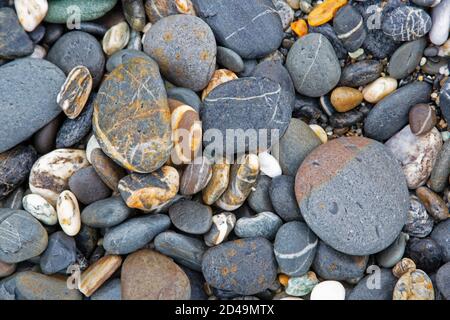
[134, 13]
[349, 27]
[252, 29]
[24, 236]
[282, 197]
[195, 176]
[443, 280]
[222, 224]
[441, 234]
[394, 253]
[68, 212]
[111, 290]
[185, 95]
[185, 49]
[328, 290]
[44, 139]
[434, 203]
[109, 171]
[123, 56]
[330, 264]
[191, 217]
[340, 167]
[422, 118]
[380, 88]
[417, 155]
[406, 58]
[157, 10]
[87, 186]
[105, 213]
[414, 285]
[134, 234]
[328, 31]
[15, 165]
[269, 166]
[441, 169]
[60, 11]
[6, 269]
[360, 73]
[391, 114]
[116, 38]
[27, 106]
[418, 224]
[366, 288]
[426, 253]
[298, 141]
[149, 275]
[77, 48]
[406, 23]
[87, 240]
[263, 224]
[444, 100]
[259, 199]
[345, 99]
[313, 65]
[15, 41]
[245, 266]
[440, 29]
[184, 250]
[121, 123]
[39, 208]
[218, 183]
[61, 252]
[36, 286]
[295, 247]
[229, 59]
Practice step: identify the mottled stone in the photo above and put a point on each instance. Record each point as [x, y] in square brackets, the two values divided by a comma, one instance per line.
[406, 23]
[123, 56]
[414, 285]
[134, 13]
[361, 73]
[105, 213]
[61, 11]
[15, 165]
[27, 106]
[217, 184]
[97, 273]
[303, 285]
[186, 251]
[39, 208]
[259, 199]
[15, 41]
[434, 204]
[159, 9]
[121, 116]
[406, 58]
[282, 197]
[263, 224]
[444, 100]
[425, 253]
[108, 171]
[245, 266]
[394, 253]
[148, 275]
[403, 266]
[60, 253]
[418, 224]
[87, 186]
[191, 217]
[222, 224]
[24, 237]
[441, 169]
[325, 174]
[367, 288]
[422, 118]
[116, 38]
[195, 176]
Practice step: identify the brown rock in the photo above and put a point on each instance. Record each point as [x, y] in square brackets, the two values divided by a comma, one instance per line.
[94, 276]
[218, 183]
[403, 266]
[196, 176]
[158, 9]
[107, 170]
[6, 269]
[149, 275]
[44, 139]
[345, 99]
[434, 204]
[219, 76]
[422, 118]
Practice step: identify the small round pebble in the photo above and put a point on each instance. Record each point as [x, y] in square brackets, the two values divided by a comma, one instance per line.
[328, 290]
[191, 217]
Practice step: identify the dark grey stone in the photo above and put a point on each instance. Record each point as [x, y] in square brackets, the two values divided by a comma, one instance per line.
[191, 217]
[86, 240]
[77, 48]
[249, 65]
[313, 65]
[87, 186]
[187, 251]
[328, 31]
[106, 213]
[367, 289]
[14, 40]
[229, 59]
[426, 253]
[259, 199]
[28, 90]
[349, 27]
[111, 290]
[361, 73]
[8, 288]
[252, 29]
[441, 234]
[391, 114]
[406, 23]
[61, 252]
[346, 119]
[134, 234]
[441, 170]
[123, 56]
[282, 196]
[406, 58]
[443, 280]
[263, 224]
[197, 282]
[186, 96]
[444, 100]
[14, 200]
[426, 3]
[389, 257]
[295, 247]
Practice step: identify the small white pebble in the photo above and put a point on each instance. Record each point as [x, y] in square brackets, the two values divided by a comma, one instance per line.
[328, 290]
[320, 132]
[269, 165]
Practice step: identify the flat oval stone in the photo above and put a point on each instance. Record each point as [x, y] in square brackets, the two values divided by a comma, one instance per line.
[252, 29]
[36, 286]
[248, 103]
[217, 184]
[282, 197]
[263, 224]
[322, 181]
[186, 251]
[29, 105]
[77, 48]
[24, 236]
[50, 174]
[349, 27]
[440, 16]
[229, 59]
[87, 186]
[134, 234]
[422, 118]
[68, 213]
[366, 290]
[391, 114]
[416, 154]
[191, 217]
[14, 39]
[434, 204]
[149, 275]
[380, 88]
[61, 11]
[259, 199]
[269, 165]
[426, 253]
[222, 224]
[39, 208]
[414, 285]
[330, 264]
[15, 165]
[61, 252]
[441, 169]
[195, 176]
[441, 235]
[185, 49]
[245, 266]
[361, 73]
[295, 247]
[109, 171]
[313, 65]
[148, 192]
[399, 67]
[406, 23]
[132, 122]
[303, 285]
[418, 224]
[105, 213]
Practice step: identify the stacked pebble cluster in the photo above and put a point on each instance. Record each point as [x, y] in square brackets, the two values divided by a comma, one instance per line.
[99, 200]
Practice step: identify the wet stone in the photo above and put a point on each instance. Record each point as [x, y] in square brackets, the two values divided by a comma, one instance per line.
[282, 197]
[422, 118]
[87, 186]
[425, 253]
[361, 73]
[191, 217]
[60, 253]
[105, 213]
[59, 11]
[418, 224]
[263, 224]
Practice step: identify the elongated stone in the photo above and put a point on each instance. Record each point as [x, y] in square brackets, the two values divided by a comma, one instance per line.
[40, 209]
[68, 213]
[196, 176]
[109, 171]
[98, 273]
[217, 184]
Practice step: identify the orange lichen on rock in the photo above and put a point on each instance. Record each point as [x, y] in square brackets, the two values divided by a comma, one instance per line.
[300, 27]
[324, 12]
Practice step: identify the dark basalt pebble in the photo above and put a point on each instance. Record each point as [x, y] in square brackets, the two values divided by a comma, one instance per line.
[14, 40]
[282, 197]
[186, 96]
[249, 65]
[443, 280]
[14, 200]
[329, 33]
[367, 289]
[15, 165]
[441, 235]
[78, 48]
[346, 119]
[425, 253]
[37, 34]
[93, 28]
[86, 240]
[187, 251]
[53, 32]
[307, 107]
[191, 217]
[197, 284]
[406, 23]
[349, 27]
[72, 131]
[406, 58]
[61, 252]
[444, 100]
[134, 13]
[361, 73]
[44, 139]
[259, 199]
[245, 266]
[87, 186]
[106, 213]
[441, 170]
